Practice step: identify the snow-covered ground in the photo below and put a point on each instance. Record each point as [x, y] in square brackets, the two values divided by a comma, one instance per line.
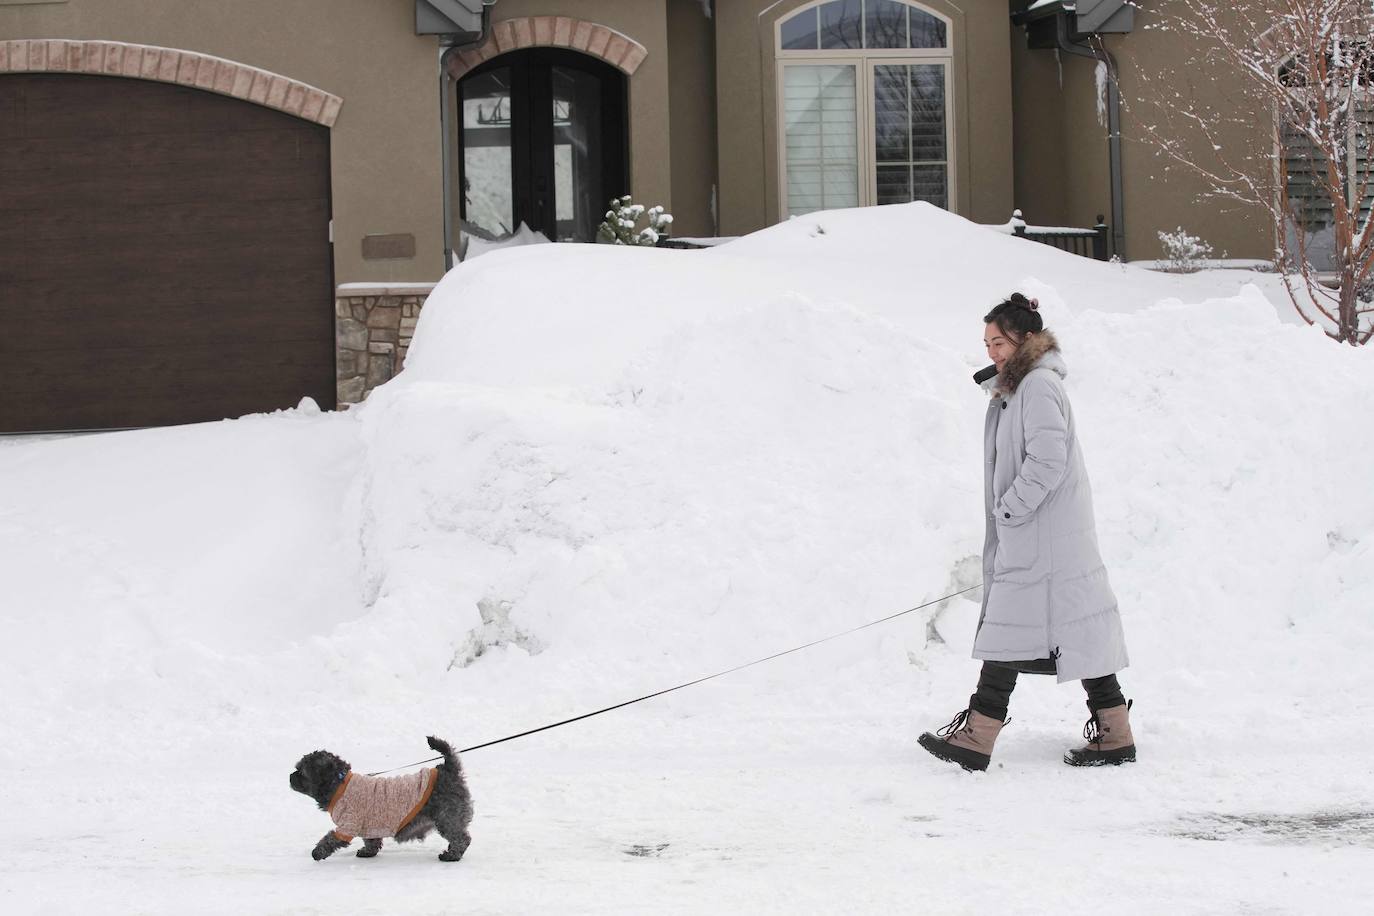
[647, 466]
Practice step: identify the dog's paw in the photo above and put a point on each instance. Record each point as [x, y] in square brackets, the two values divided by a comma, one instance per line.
[449, 855]
[319, 854]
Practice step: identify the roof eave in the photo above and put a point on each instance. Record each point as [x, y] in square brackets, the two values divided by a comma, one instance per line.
[1047, 11]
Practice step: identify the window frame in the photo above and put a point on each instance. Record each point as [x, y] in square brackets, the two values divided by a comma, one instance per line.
[863, 60]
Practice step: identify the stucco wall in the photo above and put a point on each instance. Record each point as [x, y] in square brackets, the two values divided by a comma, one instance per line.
[1042, 162]
[746, 67]
[1159, 199]
[1062, 174]
[692, 114]
[987, 86]
[385, 143]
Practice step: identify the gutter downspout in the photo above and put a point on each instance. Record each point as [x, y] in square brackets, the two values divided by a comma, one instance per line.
[1103, 56]
[446, 127]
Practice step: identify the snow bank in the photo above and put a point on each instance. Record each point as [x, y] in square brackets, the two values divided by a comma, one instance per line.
[683, 458]
[645, 464]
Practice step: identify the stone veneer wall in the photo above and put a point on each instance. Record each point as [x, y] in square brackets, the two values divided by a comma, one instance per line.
[373, 326]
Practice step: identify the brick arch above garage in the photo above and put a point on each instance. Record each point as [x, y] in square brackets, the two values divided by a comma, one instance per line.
[615, 48]
[171, 65]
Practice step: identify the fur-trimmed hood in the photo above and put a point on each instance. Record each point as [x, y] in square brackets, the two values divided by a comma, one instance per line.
[1038, 348]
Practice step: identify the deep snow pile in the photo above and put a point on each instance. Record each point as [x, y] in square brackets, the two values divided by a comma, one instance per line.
[608, 470]
[677, 461]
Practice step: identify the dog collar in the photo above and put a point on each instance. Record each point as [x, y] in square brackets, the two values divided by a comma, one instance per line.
[338, 791]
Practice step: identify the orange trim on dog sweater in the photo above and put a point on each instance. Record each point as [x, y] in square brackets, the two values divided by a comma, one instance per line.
[337, 792]
[373, 807]
[424, 800]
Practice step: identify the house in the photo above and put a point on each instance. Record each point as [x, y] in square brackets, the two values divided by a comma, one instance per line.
[217, 208]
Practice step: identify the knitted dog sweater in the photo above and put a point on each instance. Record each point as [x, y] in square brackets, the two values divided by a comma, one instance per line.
[373, 807]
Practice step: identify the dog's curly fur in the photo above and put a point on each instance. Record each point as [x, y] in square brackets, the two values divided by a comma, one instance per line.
[448, 811]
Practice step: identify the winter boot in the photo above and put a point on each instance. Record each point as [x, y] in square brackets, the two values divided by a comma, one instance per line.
[1109, 738]
[967, 740]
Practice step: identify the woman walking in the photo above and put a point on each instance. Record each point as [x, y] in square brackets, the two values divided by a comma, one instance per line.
[1047, 605]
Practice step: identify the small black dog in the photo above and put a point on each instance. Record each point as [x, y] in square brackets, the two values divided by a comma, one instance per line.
[371, 807]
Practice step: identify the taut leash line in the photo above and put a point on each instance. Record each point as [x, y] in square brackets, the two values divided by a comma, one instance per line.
[700, 680]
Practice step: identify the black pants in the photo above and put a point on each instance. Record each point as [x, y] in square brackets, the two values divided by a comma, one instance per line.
[996, 682]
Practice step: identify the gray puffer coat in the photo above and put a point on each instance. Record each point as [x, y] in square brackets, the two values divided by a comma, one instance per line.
[1045, 590]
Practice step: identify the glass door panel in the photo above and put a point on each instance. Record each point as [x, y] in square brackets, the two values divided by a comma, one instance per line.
[1310, 222]
[580, 196]
[488, 185]
[910, 133]
[820, 134]
[930, 183]
[543, 143]
[892, 110]
[893, 184]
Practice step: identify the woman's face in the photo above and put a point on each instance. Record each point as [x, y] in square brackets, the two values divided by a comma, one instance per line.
[1000, 346]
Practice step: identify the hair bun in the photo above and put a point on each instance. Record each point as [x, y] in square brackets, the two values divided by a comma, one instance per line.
[1016, 316]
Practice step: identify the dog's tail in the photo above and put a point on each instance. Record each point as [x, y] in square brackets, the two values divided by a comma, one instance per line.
[450, 755]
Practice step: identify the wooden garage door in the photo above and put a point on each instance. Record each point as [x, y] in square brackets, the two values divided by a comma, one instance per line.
[164, 255]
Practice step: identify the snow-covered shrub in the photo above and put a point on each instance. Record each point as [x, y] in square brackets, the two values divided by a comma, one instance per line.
[1183, 253]
[618, 228]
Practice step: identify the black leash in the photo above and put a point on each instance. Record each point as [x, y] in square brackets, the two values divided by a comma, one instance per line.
[588, 715]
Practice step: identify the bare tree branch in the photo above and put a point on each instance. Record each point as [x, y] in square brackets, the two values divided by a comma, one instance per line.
[1306, 67]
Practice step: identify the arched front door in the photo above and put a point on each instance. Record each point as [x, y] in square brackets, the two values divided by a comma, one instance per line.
[542, 140]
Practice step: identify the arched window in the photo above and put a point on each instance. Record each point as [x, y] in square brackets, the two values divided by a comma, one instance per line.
[864, 102]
